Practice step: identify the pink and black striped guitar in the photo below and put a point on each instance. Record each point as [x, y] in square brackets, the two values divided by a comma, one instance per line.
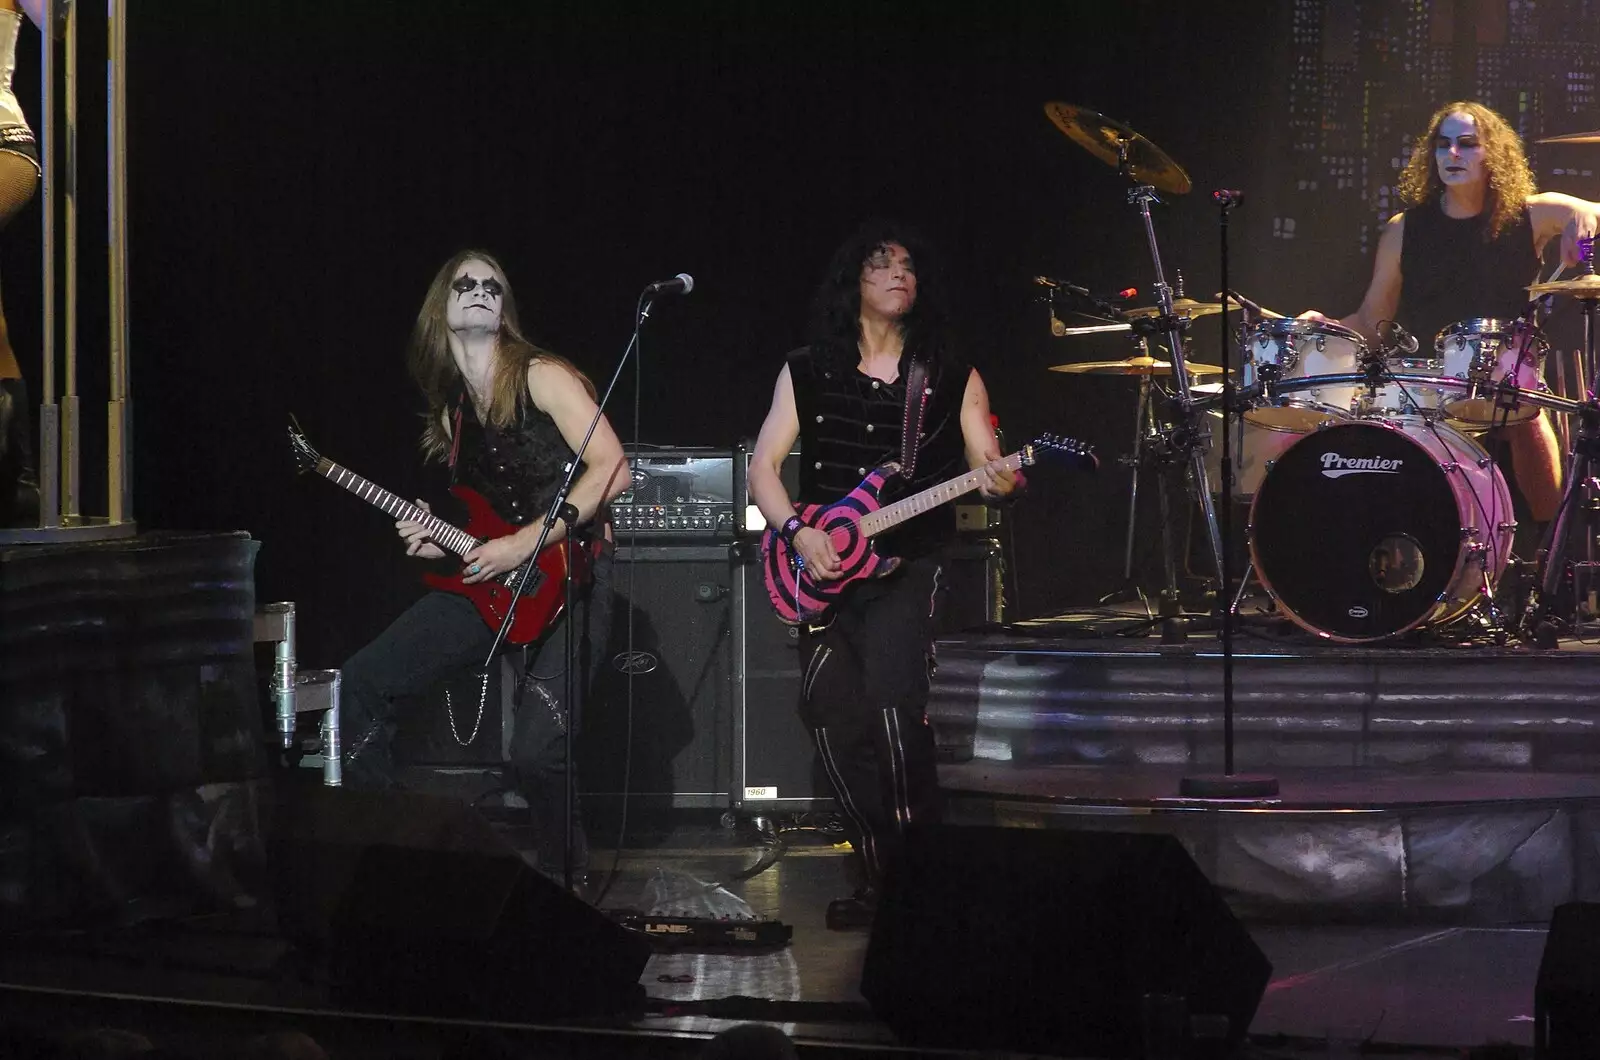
[853, 521]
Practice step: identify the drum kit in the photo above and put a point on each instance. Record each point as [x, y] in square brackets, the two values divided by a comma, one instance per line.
[1374, 508]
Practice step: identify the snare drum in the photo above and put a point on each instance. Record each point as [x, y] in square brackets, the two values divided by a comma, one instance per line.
[1279, 350]
[1401, 397]
[1486, 352]
[1370, 528]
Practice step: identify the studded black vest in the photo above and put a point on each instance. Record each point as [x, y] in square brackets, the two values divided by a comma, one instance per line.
[851, 423]
[517, 468]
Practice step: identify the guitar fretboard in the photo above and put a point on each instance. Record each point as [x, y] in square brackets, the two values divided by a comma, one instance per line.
[447, 537]
[893, 515]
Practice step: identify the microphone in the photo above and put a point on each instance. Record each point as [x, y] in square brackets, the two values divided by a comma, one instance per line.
[1228, 197]
[1396, 337]
[1082, 292]
[682, 283]
[1242, 300]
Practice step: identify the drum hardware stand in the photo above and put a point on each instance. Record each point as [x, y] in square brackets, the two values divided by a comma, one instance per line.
[1143, 426]
[1537, 624]
[1142, 195]
[1229, 785]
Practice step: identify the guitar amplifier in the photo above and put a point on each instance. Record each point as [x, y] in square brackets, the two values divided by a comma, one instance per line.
[677, 493]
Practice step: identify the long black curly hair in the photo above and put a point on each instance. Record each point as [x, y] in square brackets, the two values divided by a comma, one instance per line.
[836, 308]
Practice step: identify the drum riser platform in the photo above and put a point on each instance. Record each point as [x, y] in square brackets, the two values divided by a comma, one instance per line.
[1417, 785]
[1033, 701]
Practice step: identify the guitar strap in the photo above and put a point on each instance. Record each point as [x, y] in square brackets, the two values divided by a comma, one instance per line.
[917, 391]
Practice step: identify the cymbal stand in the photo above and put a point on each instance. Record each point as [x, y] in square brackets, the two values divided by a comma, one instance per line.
[1186, 436]
[1537, 624]
[1143, 426]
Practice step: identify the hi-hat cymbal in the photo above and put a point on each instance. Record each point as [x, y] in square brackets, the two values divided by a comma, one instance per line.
[1104, 138]
[1573, 138]
[1583, 288]
[1181, 307]
[1133, 366]
[1260, 311]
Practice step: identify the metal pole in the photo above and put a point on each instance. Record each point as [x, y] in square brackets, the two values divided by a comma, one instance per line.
[71, 415]
[49, 411]
[119, 476]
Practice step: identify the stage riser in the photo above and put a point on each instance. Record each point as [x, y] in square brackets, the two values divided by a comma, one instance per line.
[1474, 864]
[1381, 708]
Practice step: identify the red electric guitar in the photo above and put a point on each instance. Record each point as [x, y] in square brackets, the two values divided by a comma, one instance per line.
[542, 598]
[852, 521]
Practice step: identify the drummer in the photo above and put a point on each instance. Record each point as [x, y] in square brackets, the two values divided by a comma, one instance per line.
[1468, 244]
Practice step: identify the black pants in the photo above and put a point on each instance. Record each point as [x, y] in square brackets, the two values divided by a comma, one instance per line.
[19, 483]
[442, 634]
[864, 695]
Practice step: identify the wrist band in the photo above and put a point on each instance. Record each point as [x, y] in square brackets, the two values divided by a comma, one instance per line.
[568, 513]
[791, 526]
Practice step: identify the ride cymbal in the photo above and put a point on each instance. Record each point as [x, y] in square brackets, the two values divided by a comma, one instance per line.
[1107, 140]
[1132, 366]
[1181, 307]
[1583, 288]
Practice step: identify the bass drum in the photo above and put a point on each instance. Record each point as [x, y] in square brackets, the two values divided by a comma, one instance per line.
[1366, 529]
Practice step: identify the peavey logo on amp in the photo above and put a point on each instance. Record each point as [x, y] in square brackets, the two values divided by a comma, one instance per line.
[1336, 466]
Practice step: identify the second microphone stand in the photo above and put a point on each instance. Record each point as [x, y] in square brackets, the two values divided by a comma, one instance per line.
[1229, 785]
[560, 510]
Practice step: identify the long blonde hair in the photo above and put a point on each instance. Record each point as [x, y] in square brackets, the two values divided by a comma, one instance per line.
[433, 366]
[1510, 179]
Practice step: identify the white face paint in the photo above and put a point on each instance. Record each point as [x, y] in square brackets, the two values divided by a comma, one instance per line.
[1457, 151]
[476, 299]
[889, 282]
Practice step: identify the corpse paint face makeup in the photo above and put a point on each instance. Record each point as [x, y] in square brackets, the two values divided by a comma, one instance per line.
[1457, 151]
[477, 299]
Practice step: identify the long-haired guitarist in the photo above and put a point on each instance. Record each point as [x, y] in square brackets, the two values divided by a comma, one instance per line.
[844, 396]
[506, 417]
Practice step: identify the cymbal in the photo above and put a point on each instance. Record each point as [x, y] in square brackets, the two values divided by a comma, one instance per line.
[1572, 138]
[1583, 288]
[1101, 137]
[1183, 307]
[1262, 311]
[1132, 366]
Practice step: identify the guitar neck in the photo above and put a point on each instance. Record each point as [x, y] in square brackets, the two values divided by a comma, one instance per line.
[446, 536]
[893, 515]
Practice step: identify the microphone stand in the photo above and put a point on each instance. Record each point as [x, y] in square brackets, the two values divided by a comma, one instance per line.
[530, 571]
[1229, 785]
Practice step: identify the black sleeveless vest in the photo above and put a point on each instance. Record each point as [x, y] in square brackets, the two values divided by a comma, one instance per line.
[1449, 272]
[851, 423]
[517, 468]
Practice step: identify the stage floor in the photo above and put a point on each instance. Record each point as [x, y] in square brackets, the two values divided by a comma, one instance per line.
[193, 987]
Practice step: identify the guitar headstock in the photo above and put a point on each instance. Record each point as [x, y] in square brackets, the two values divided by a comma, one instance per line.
[305, 457]
[1076, 454]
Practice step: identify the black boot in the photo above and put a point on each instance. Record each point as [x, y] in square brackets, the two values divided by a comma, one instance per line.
[19, 477]
[853, 913]
[367, 762]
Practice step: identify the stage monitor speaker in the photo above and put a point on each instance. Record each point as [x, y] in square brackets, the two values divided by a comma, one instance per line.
[419, 906]
[675, 749]
[1043, 940]
[1566, 1000]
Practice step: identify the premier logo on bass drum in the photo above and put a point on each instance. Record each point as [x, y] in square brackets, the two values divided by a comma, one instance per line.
[1336, 466]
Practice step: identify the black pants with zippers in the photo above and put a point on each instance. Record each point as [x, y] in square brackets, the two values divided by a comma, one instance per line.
[864, 696]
